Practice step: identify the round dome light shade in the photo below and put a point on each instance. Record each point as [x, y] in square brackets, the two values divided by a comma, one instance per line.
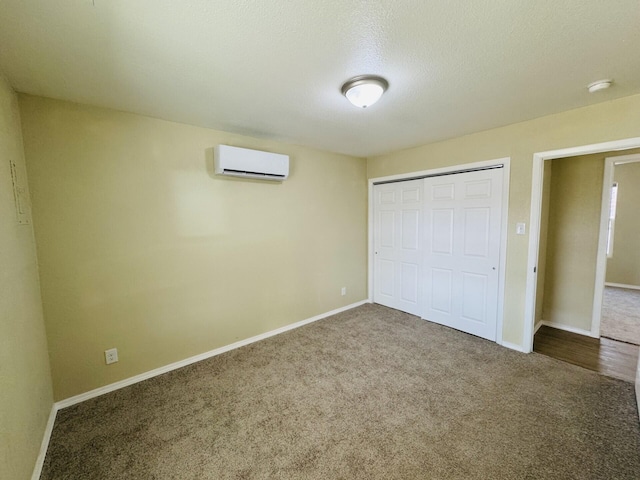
[365, 90]
[599, 85]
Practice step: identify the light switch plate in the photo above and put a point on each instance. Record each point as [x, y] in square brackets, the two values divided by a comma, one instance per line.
[521, 228]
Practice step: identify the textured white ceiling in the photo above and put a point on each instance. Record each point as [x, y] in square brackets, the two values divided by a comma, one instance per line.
[274, 68]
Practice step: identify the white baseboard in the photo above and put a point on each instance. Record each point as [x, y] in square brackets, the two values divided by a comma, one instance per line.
[638, 386]
[513, 346]
[197, 358]
[537, 327]
[37, 469]
[568, 328]
[622, 285]
[638, 395]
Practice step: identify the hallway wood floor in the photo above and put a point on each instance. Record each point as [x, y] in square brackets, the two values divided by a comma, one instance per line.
[606, 356]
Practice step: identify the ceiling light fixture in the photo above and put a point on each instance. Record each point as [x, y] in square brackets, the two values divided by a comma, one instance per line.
[364, 90]
[599, 85]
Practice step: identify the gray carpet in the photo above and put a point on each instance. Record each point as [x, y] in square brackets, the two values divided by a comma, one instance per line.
[621, 315]
[371, 393]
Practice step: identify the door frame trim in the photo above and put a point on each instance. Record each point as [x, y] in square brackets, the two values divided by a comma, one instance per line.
[536, 212]
[506, 162]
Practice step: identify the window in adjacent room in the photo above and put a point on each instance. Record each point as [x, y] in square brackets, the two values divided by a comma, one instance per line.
[613, 200]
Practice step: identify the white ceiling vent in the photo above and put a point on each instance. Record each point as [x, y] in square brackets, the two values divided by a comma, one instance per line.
[243, 162]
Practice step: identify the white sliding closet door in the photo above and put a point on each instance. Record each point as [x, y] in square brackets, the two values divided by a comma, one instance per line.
[397, 245]
[462, 232]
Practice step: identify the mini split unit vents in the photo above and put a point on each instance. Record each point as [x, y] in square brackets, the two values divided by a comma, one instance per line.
[243, 162]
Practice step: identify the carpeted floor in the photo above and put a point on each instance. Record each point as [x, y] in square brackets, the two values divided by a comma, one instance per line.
[371, 393]
[621, 315]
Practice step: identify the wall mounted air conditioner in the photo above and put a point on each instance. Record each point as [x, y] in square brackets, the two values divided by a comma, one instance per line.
[242, 162]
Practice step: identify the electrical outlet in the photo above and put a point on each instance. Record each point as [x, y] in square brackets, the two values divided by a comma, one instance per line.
[111, 356]
[343, 292]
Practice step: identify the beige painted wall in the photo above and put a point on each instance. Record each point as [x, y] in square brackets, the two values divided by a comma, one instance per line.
[602, 122]
[544, 232]
[624, 266]
[142, 248]
[25, 383]
[572, 242]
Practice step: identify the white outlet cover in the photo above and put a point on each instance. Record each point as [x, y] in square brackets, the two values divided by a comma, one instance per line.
[111, 356]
